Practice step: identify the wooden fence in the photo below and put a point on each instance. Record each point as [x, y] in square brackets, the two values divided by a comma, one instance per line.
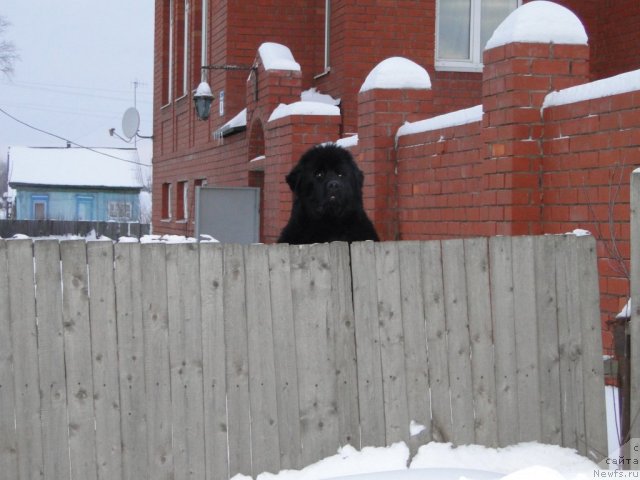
[196, 361]
[43, 228]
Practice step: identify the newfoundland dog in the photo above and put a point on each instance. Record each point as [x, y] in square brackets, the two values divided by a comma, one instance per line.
[327, 204]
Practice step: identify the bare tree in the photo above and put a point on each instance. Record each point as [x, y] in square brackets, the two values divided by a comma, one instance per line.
[8, 52]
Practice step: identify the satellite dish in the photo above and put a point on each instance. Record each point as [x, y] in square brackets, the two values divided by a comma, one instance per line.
[130, 122]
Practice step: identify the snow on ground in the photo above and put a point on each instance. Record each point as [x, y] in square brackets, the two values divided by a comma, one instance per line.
[397, 72]
[539, 22]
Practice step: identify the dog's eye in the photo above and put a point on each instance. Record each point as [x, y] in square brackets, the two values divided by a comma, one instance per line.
[319, 174]
[340, 174]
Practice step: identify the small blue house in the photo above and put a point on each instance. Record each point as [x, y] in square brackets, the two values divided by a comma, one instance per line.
[98, 184]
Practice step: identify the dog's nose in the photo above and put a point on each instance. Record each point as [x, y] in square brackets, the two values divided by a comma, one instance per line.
[333, 185]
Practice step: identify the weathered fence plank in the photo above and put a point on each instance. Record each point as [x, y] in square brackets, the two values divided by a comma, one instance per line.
[284, 344]
[155, 318]
[104, 350]
[8, 441]
[77, 343]
[635, 310]
[367, 334]
[237, 363]
[207, 360]
[55, 428]
[25, 359]
[213, 361]
[265, 441]
[459, 351]
[476, 255]
[130, 329]
[502, 304]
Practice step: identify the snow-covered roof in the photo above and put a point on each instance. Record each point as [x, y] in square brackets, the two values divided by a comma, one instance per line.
[539, 22]
[275, 56]
[75, 167]
[396, 73]
[623, 83]
[452, 119]
[303, 108]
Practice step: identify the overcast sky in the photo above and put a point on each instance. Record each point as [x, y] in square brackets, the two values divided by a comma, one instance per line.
[75, 77]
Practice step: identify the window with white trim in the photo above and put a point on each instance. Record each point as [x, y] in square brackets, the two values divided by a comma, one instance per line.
[463, 28]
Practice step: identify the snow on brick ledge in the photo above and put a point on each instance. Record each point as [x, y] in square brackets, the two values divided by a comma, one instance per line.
[303, 108]
[275, 56]
[397, 73]
[539, 22]
[452, 119]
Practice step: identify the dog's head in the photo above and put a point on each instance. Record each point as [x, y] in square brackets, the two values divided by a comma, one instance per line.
[327, 182]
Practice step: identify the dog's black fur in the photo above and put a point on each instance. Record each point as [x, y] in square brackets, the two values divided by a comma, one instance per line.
[327, 205]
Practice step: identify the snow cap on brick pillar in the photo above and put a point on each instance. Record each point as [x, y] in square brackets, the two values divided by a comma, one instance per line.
[540, 47]
[397, 90]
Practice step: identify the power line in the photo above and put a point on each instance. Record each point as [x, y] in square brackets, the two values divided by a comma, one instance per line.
[71, 142]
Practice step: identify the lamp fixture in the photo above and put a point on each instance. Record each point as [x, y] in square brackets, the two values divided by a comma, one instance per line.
[203, 97]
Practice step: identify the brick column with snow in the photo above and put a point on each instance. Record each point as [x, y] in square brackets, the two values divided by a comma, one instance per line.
[397, 90]
[540, 47]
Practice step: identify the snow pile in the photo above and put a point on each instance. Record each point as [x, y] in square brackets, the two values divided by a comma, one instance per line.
[623, 83]
[539, 22]
[303, 108]
[452, 119]
[275, 56]
[347, 142]
[313, 95]
[396, 73]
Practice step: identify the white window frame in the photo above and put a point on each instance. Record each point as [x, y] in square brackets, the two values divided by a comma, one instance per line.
[474, 64]
[171, 43]
[327, 38]
[204, 52]
[185, 56]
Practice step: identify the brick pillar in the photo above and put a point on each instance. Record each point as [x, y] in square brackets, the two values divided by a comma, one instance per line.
[380, 113]
[516, 79]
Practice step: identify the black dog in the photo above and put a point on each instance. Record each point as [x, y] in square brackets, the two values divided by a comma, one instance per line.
[327, 205]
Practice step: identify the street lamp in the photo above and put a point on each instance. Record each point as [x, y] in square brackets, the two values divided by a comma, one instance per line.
[202, 98]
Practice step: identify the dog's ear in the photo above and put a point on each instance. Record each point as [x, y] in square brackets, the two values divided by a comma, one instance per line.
[293, 178]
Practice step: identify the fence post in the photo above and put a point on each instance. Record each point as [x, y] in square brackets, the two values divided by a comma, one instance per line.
[634, 430]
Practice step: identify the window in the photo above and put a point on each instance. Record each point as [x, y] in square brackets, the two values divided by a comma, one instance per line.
[167, 49]
[204, 51]
[84, 208]
[327, 35]
[39, 207]
[166, 201]
[463, 28]
[182, 200]
[182, 53]
[119, 210]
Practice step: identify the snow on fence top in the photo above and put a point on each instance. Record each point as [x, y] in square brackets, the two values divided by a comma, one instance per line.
[395, 73]
[275, 56]
[452, 119]
[623, 83]
[303, 108]
[539, 22]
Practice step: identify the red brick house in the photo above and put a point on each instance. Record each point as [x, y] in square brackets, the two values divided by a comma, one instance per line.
[484, 176]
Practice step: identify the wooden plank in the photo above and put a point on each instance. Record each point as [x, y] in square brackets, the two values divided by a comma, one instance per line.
[53, 388]
[458, 344]
[77, 342]
[635, 311]
[365, 301]
[502, 308]
[156, 361]
[568, 349]
[237, 362]
[128, 283]
[286, 371]
[185, 359]
[415, 342]
[104, 346]
[8, 436]
[265, 441]
[213, 360]
[433, 288]
[548, 349]
[526, 330]
[476, 259]
[592, 365]
[343, 345]
[396, 409]
[311, 293]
